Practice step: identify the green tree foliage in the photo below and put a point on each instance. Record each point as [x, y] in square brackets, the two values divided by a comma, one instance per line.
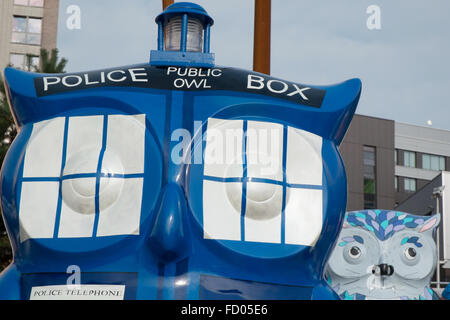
[49, 63]
[7, 134]
[5, 251]
[7, 126]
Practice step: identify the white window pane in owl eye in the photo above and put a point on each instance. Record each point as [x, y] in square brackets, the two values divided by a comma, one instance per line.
[303, 216]
[223, 151]
[222, 210]
[44, 149]
[120, 206]
[304, 157]
[84, 142]
[37, 213]
[263, 212]
[126, 141]
[264, 150]
[77, 208]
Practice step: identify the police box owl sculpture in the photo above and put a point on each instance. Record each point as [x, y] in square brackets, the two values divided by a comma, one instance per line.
[384, 255]
[177, 179]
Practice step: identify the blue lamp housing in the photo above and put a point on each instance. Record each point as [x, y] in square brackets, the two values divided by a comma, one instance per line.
[183, 37]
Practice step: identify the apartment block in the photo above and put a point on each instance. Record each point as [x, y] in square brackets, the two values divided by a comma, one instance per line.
[26, 26]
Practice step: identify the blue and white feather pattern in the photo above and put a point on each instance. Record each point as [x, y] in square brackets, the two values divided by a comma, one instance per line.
[383, 254]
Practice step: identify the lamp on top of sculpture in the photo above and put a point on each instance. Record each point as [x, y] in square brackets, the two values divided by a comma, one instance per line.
[183, 37]
[383, 254]
[174, 179]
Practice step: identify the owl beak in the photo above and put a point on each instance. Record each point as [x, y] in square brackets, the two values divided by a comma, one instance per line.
[383, 270]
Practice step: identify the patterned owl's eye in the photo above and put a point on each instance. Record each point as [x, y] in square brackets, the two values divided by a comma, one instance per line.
[355, 252]
[410, 253]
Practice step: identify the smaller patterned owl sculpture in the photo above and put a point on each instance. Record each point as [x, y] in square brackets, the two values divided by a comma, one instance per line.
[386, 255]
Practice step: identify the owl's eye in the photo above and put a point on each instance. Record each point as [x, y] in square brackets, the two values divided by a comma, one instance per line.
[355, 252]
[410, 253]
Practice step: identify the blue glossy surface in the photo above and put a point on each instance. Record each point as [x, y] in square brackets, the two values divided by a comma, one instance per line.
[170, 254]
[170, 257]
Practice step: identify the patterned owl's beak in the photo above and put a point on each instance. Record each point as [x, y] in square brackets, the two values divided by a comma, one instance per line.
[383, 270]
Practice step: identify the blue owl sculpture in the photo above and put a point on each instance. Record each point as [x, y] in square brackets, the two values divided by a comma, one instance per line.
[174, 179]
[384, 255]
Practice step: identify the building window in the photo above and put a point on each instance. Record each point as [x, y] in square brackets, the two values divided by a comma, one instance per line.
[433, 162]
[370, 178]
[31, 3]
[24, 61]
[396, 156]
[409, 159]
[27, 30]
[410, 185]
[396, 183]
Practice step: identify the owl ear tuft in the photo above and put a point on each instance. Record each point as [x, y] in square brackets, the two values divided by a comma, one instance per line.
[341, 101]
[431, 223]
[21, 94]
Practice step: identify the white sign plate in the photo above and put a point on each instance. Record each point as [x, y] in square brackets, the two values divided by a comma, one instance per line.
[78, 292]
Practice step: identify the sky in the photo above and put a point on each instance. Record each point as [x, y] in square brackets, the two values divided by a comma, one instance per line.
[404, 65]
